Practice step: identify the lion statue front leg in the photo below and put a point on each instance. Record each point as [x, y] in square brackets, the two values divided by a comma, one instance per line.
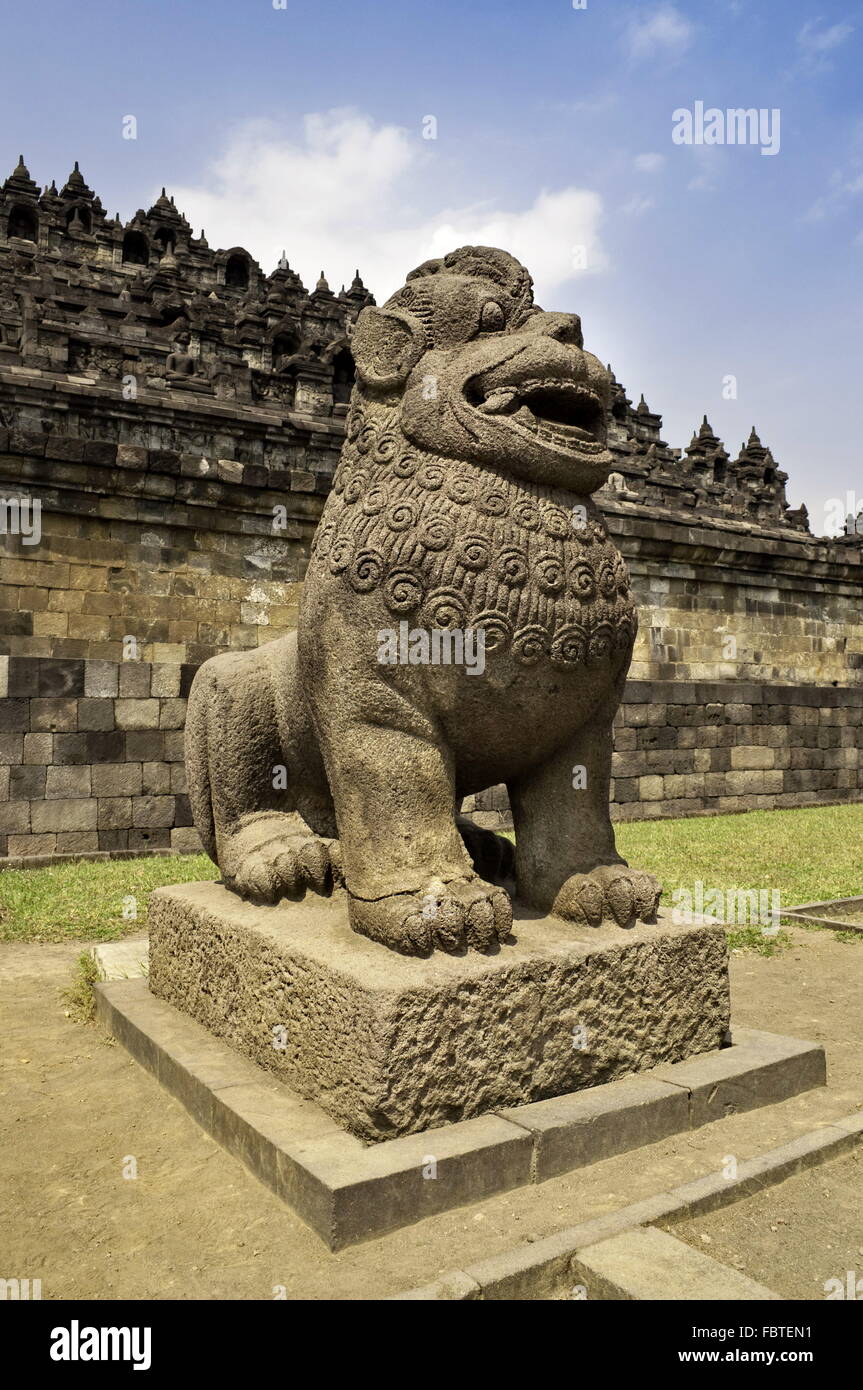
[410, 878]
[566, 859]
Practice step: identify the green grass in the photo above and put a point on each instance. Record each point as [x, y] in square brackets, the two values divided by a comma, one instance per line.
[84, 900]
[809, 855]
[754, 939]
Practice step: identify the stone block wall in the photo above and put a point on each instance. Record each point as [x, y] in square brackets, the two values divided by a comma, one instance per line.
[178, 420]
[91, 754]
[725, 603]
[685, 748]
[183, 555]
[91, 758]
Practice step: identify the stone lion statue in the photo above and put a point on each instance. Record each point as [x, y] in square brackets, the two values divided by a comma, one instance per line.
[460, 524]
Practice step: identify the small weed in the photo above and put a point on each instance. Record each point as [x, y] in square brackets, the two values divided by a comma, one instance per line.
[79, 995]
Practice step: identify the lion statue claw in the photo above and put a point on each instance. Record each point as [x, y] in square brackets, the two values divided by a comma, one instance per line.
[465, 621]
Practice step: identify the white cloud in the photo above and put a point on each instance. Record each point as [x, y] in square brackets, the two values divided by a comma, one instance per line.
[649, 163]
[547, 237]
[818, 41]
[708, 161]
[843, 187]
[665, 31]
[348, 192]
[817, 45]
[588, 106]
[637, 206]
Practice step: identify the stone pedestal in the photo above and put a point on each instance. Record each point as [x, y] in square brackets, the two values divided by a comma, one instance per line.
[390, 1045]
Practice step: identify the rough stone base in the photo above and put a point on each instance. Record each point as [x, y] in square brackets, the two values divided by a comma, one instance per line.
[390, 1045]
[349, 1191]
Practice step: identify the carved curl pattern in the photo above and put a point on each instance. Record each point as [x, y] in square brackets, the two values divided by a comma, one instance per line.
[428, 534]
[526, 514]
[431, 476]
[511, 567]
[550, 574]
[582, 581]
[341, 554]
[497, 628]
[436, 533]
[403, 591]
[530, 644]
[556, 522]
[366, 571]
[401, 515]
[569, 646]
[474, 552]
[460, 489]
[602, 642]
[446, 608]
[493, 502]
[406, 465]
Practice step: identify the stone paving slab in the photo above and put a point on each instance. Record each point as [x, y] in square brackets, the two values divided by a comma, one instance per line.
[649, 1265]
[572, 1131]
[348, 1190]
[824, 914]
[345, 1190]
[760, 1069]
[542, 1269]
[122, 960]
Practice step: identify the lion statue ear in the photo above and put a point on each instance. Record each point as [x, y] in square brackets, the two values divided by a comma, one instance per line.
[386, 346]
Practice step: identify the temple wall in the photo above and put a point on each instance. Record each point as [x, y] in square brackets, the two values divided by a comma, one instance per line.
[91, 757]
[687, 748]
[722, 603]
[140, 546]
[146, 554]
[91, 754]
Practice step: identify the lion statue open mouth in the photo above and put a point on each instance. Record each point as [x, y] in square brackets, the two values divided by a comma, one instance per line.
[461, 506]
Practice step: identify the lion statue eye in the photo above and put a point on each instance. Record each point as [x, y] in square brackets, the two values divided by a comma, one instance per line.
[492, 319]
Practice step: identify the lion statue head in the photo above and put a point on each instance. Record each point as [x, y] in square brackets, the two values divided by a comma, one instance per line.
[477, 371]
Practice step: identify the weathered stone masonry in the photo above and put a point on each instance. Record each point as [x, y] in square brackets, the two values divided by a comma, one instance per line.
[178, 414]
[91, 757]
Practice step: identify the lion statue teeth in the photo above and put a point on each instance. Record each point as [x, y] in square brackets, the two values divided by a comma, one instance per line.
[466, 620]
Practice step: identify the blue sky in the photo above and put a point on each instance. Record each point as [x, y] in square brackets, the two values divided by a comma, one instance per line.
[304, 127]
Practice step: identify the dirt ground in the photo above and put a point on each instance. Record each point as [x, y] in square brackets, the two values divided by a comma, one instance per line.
[193, 1224]
[794, 1238]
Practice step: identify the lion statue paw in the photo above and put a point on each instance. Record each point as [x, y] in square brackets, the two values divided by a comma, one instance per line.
[451, 917]
[611, 892]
